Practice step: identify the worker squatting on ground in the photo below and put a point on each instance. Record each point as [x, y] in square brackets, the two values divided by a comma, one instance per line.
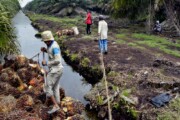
[102, 33]
[55, 69]
[157, 27]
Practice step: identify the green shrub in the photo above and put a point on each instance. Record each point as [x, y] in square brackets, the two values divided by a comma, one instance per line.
[85, 62]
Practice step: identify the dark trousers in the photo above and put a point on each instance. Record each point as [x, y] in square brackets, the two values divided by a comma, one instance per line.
[88, 29]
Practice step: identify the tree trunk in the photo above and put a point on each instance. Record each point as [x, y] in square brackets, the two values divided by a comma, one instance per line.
[156, 3]
[172, 14]
[150, 18]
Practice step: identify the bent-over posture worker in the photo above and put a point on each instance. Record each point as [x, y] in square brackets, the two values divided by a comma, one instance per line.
[55, 69]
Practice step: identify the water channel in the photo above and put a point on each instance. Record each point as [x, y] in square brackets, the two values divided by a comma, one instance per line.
[73, 84]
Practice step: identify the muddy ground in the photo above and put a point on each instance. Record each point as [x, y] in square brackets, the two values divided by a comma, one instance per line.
[131, 69]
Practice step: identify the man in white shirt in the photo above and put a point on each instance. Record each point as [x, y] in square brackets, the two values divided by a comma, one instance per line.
[102, 33]
[55, 69]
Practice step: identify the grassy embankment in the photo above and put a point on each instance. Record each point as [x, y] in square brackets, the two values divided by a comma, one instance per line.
[64, 23]
[144, 41]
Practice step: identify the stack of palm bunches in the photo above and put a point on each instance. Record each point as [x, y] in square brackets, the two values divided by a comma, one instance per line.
[22, 95]
[71, 107]
[60, 33]
[6, 89]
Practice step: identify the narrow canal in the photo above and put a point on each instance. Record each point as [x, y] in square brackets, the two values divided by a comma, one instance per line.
[73, 84]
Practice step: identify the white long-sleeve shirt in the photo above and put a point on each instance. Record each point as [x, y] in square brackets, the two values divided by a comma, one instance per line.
[103, 29]
[54, 62]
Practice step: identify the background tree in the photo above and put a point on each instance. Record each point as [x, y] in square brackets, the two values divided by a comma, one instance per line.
[147, 10]
[172, 13]
[8, 43]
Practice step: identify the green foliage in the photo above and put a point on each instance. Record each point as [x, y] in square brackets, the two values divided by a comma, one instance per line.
[40, 6]
[115, 88]
[8, 43]
[175, 105]
[130, 8]
[112, 74]
[100, 100]
[133, 113]
[126, 92]
[74, 57]
[85, 62]
[67, 52]
[125, 107]
[10, 6]
[167, 115]
[116, 106]
[134, 9]
[96, 68]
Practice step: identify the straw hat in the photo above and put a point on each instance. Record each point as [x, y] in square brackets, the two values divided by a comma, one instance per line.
[47, 36]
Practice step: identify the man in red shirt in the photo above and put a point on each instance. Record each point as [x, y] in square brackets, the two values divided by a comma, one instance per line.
[88, 22]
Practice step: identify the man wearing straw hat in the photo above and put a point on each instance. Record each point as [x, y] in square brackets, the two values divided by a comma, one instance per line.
[55, 69]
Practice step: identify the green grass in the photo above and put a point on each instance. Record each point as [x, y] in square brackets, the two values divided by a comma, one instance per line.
[85, 62]
[112, 74]
[120, 41]
[126, 92]
[100, 100]
[135, 45]
[65, 21]
[87, 37]
[157, 42]
[173, 111]
[74, 57]
[132, 44]
[122, 36]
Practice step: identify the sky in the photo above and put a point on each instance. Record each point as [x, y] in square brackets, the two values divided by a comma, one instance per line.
[24, 2]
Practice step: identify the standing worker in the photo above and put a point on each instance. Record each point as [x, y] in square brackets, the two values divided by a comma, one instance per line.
[88, 22]
[102, 34]
[55, 69]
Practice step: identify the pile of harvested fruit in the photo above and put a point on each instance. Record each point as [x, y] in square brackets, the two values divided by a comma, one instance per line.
[22, 95]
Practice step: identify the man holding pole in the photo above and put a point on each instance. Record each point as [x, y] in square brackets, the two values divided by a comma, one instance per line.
[55, 69]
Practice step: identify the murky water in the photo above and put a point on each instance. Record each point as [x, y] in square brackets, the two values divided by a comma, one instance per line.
[71, 81]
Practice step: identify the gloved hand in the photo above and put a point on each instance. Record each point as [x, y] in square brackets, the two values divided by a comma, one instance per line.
[43, 49]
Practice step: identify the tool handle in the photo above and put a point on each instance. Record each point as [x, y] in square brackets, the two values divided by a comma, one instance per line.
[43, 55]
